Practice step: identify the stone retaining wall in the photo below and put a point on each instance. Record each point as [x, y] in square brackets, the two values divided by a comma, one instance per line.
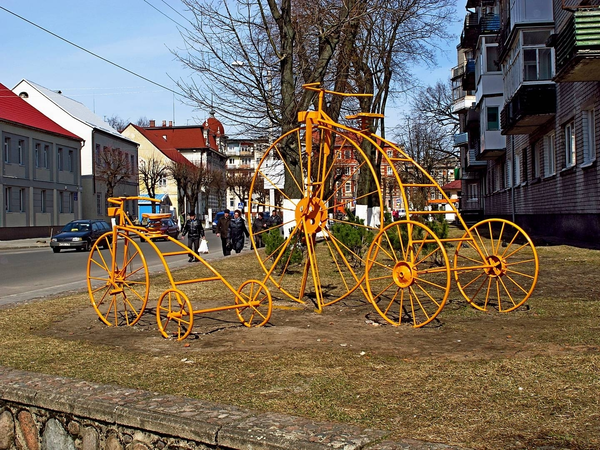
[43, 412]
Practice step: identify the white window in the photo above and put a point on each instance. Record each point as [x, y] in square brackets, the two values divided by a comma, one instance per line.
[537, 58]
[390, 172]
[20, 145]
[549, 155]
[390, 153]
[472, 191]
[7, 150]
[589, 136]
[348, 187]
[569, 133]
[517, 167]
[162, 182]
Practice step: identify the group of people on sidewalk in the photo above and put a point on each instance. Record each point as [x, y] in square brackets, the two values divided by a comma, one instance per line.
[231, 230]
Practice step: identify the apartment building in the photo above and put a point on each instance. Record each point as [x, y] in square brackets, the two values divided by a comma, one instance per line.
[529, 143]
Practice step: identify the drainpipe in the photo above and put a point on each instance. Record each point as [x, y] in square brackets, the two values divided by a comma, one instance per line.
[513, 177]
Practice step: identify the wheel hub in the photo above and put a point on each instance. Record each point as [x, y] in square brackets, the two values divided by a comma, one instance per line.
[404, 274]
[313, 213]
[497, 266]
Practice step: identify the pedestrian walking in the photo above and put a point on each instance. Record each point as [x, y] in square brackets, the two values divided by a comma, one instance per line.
[275, 220]
[223, 232]
[194, 231]
[258, 227]
[237, 231]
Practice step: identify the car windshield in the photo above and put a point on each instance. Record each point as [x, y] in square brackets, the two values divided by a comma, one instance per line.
[74, 226]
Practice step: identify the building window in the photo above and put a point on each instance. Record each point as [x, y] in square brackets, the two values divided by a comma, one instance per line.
[569, 133]
[36, 155]
[7, 150]
[70, 161]
[43, 201]
[549, 155]
[21, 200]
[348, 187]
[7, 199]
[390, 153]
[493, 119]
[536, 159]
[231, 204]
[162, 182]
[71, 202]
[589, 136]
[537, 58]
[59, 159]
[390, 171]
[491, 58]
[99, 204]
[347, 154]
[45, 156]
[517, 167]
[20, 145]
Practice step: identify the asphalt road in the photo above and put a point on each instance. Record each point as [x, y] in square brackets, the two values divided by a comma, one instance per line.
[30, 273]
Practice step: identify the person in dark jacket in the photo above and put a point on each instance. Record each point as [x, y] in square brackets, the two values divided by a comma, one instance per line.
[258, 227]
[194, 230]
[275, 220]
[237, 231]
[223, 232]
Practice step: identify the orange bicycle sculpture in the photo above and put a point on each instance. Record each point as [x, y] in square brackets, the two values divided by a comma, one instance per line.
[119, 284]
[406, 272]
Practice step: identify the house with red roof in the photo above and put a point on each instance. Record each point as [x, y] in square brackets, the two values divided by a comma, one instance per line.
[191, 144]
[40, 171]
[101, 141]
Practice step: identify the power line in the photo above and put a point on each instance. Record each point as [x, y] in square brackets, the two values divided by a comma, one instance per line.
[168, 17]
[92, 53]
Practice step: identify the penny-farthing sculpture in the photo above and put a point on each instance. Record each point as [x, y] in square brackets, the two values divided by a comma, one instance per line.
[303, 174]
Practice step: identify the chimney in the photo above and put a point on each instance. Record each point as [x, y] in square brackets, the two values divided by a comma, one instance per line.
[170, 123]
[152, 124]
[164, 123]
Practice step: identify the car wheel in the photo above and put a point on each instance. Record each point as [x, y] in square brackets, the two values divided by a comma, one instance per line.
[56, 250]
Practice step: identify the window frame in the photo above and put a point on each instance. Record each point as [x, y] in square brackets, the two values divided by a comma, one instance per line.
[589, 135]
[550, 154]
[6, 150]
[487, 118]
[570, 147]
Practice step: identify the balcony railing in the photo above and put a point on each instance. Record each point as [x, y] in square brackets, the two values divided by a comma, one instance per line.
[468, 80]
[578, 47]
[461, 139]
[531, 107]
[473, 163]
[470, 32]
[458, 71]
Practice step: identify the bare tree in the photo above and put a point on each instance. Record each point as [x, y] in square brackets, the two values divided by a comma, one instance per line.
[239, 181]
[430, 147]
[151, 173]
[143, 122]
[181, 173]
[112, 168]
[117, 123]
[435, 104]
[219, 186]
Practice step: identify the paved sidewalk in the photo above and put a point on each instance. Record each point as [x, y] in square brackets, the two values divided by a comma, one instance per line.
[25, 243]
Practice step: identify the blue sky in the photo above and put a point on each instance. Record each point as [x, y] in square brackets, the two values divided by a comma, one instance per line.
[130, 33]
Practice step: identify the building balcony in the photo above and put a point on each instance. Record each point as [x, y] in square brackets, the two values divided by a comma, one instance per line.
[463, 102]
[473, 163]
[577, 47]
[492, 145]
[531, 107]
[472, 119]
[468, 79]
[458, 71]
[470, 33]
[461, 139]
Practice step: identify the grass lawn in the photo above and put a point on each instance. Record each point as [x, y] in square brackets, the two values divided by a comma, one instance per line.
[523, 380]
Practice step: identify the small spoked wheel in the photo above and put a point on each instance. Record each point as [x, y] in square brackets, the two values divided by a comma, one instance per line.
[408, 274]
[118, 280]
[174, 314]
[496, 266]
[255, 303]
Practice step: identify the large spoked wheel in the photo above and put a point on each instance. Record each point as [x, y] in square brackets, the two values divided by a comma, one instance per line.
[497, 267]
[408, 274]
[318, 251]
[118, 280]
[255, 303]
[174, 314]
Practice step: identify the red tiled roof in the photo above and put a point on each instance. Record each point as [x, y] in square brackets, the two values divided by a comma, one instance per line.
[455, 185]
[161, 144]
[16, 110]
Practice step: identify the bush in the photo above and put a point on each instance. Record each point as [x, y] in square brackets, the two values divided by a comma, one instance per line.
[273, 241]
[356, 239]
